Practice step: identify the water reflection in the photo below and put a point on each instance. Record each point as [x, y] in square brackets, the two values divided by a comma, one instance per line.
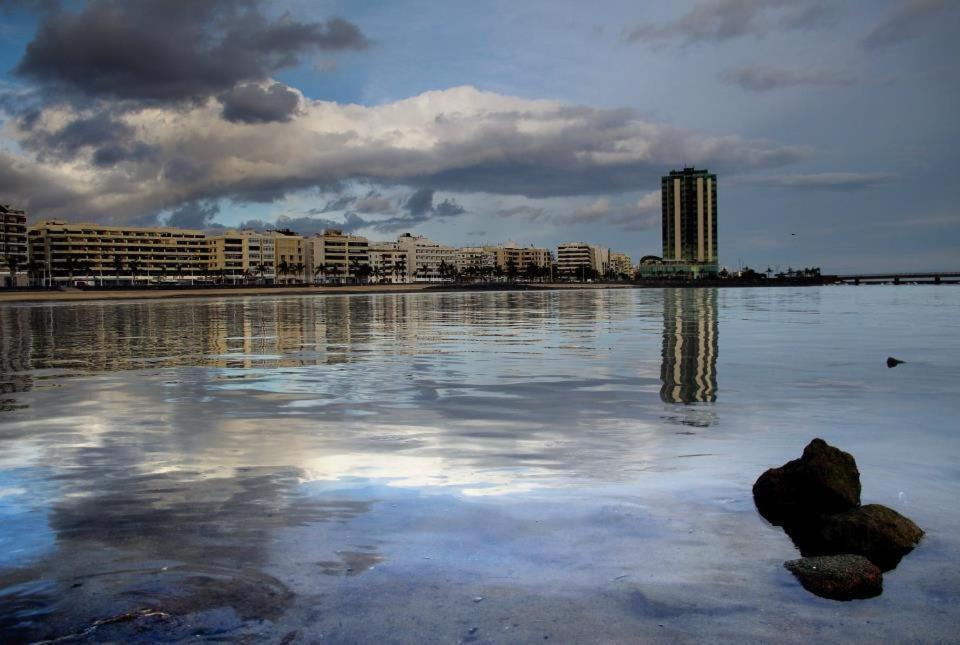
[690, 346]
[331, 458]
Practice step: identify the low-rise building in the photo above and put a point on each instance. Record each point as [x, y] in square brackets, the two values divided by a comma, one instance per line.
[13, 246]
[338, 258]
[97, 254]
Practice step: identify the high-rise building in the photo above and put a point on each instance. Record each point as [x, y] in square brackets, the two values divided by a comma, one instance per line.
[389, 262]
[689, 205]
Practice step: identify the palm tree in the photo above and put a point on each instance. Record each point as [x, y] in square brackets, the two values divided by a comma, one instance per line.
[261, 270]
[283, 268]
[297, 270]
[12, 262]
[133, 265]
[117, 267]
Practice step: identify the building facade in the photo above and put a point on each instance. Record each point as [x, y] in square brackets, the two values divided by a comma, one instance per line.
[521, 256]
[13, 246]
[98, 254]
[582, 261]
[337, 258]
[689, 218]
[621, 264]
[475, 261]
[389, 262]
[429, 261]
[289, 256]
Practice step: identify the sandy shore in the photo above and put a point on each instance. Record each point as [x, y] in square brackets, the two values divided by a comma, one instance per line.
[139, 294]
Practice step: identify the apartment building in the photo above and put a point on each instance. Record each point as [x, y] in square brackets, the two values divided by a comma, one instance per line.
[242, 256]
[429, 261]
[13, 246]
[290, 257]
[621, 264]
[581, 260]
[337, 258]
[521, 256]
[475, 261]
[98, 254]
[689, 218]
[389, 262]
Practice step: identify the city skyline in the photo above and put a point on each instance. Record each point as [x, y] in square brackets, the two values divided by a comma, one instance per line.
[357, 124]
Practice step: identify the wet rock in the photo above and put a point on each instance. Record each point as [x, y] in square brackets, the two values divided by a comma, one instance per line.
[893, 362]
[838, 577]
[824, 480]
[874, 531]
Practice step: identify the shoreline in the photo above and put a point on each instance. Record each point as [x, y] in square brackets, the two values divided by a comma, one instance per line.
[79, 295]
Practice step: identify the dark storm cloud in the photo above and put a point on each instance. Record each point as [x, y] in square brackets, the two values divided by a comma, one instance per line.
[171, 50]
[97, 130]
[904, 22]
[760, 78]
[449, 208]
[113, 154]
[721, 20]
[843, 181]
[305, 225]
[36, 6]
[252, 103]
[420, 202]
[197, 215]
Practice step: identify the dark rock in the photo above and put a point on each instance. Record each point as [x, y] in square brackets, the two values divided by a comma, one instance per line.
[824, 480]
[893, 362]
[874, 531]
[838, 577]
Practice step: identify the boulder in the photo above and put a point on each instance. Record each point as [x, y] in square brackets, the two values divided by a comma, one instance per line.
[873, 531]
[823, 481]
[838, 577]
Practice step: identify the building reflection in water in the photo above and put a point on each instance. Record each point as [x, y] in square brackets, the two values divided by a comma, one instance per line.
[689, 368]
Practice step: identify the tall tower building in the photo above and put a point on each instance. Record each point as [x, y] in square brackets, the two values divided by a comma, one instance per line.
[689, 203]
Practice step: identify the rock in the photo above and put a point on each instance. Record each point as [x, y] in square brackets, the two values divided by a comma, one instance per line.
[824, 480]
[873, 531]
[893, 362]
[838, 577]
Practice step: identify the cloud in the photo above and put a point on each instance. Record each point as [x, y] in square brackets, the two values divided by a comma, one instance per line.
[455, 140]
[760, 78]
[640, 215]
[375, 203]
[305, 225]
[531, 213]
[420, 202]
[904, 22]
[195, 215]
[844, 181]
[716, 21]
[257, 103]
[171, 50]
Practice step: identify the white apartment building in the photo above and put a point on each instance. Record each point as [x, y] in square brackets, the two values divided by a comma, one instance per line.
[427, 258]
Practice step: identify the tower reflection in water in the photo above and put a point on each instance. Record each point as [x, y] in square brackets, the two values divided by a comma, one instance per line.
[689, 368]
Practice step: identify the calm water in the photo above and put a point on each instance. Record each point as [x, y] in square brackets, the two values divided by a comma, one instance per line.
[492, 467]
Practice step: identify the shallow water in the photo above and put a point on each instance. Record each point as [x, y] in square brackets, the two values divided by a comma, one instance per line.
[492, 467]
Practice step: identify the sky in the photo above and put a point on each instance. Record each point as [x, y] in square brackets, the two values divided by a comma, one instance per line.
[832, 125]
